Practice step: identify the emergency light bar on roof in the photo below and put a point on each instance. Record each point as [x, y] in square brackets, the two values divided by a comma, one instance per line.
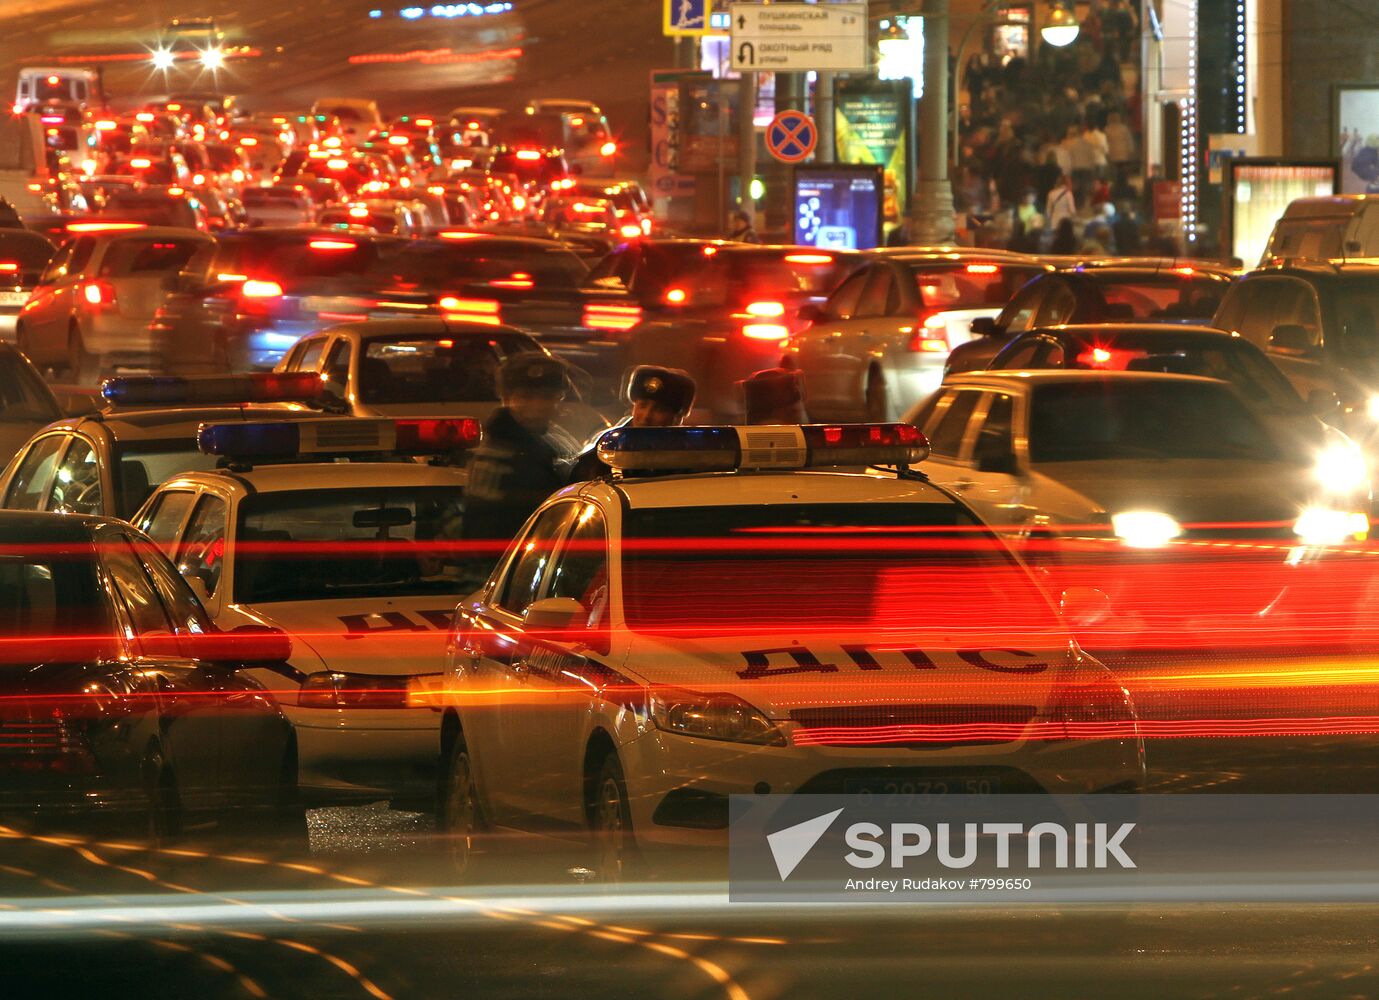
[328, 436]
[784, 446]
[171, 390]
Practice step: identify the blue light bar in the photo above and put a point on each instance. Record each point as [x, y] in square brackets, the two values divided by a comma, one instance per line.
[784, 446]
[171, 390]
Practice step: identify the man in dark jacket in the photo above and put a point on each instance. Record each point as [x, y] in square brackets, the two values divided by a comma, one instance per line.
[660, 397]
[774, 396]
[523, 458]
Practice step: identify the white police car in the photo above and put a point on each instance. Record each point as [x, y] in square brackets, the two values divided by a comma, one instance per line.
[355, 560]
[726, 622]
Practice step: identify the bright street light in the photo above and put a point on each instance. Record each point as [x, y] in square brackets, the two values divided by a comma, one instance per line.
[1061, 28]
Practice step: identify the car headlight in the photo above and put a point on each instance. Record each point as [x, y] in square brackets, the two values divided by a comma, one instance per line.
[1372, 408]
[1341, 468]
[1145, 529]
[712, 717]
[1322, 526]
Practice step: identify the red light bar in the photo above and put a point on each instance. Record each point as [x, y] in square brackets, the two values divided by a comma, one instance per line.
[454, 234]
[430, 437]
[104, 227]
[607, 316]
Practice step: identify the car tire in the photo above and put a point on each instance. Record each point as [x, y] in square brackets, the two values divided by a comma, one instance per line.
[877, 402]
[162, 817]
[289, 815]
[610, 817]
[459, 816]
[83, 367]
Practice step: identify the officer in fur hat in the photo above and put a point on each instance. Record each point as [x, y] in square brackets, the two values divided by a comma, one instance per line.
[660, 397]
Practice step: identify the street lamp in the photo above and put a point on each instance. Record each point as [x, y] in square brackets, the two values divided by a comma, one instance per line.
[1061, 28]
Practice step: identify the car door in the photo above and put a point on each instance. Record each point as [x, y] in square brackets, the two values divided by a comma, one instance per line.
[251, 732]
[190, 721]
[552, 731]
[498, 671]
[822, 349]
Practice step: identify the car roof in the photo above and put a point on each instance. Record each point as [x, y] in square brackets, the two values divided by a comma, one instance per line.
[727, 489]
[1046, 376]
[1133, 269]
[434, 326]
[156, 232]
[327, 474]
[1360, 267]
[157, 424]
[49, 526]
[1157, 329]
[950, 252]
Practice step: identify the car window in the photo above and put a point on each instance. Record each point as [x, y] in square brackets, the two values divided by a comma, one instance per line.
[311, 355]
[614, 271]
[1058, 306]
[1296, 305]
[23, 396]
[168, 512]
[145, 256]
[57, 267]
[968, 286]
[81, 254]
[880, 287]
[30, 483]
[842, 304]
[1252, 306]
[145, 608]
[202, 552]
[1019, 313]
[996, 438]
[581, 572]
[463, 369]
[337, 370]
[1020, 355]
[527, 572]
[946, 439]
[77, 485]
[188, 616]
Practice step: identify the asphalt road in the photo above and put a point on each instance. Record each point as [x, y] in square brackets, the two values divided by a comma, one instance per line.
[600, 50]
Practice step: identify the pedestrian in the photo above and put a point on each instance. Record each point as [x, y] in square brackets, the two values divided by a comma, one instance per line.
[523, 458]
[660, 397]
[740, 228]
[1062, 203]
[774, 396]
[1120, 146]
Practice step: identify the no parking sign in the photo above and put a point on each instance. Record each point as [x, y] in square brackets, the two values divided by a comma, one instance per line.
[791, 136]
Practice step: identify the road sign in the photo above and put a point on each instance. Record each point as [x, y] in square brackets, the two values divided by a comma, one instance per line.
[686, 17]
[791, 136]
[797, 37]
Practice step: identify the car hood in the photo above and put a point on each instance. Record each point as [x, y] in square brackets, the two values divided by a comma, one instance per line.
[780, 675]
[1189, 490]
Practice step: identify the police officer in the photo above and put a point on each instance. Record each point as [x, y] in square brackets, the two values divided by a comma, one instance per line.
[774, 396]
[523, 457]
[660, 397]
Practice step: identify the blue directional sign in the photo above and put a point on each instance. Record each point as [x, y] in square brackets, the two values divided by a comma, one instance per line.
[791, 136]
[686, 17]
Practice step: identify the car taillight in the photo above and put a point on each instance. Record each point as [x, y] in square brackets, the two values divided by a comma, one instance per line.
[765, 331]
[140, 163]
[930, 336]
[607, 316]
[99, 293]
[254, 288]
[676, 296]
[45, 738]
[330, 689]
[519, 279]
[9, 266]
[485, 311]
[765, 310]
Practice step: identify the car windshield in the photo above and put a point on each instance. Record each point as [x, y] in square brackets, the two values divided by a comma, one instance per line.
[1229, 359]
[1143, 419]
[1166, 296]
[969, 285]
[459, 369]
[794, 568]
[503, 264]
[313, 545]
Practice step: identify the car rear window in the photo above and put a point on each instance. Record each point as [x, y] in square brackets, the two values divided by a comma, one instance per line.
[289, 256]
[50, 591]
[162, 210]
[430, 370]
[969, 284]
[733, 276]
[1163, 297]
[507, 264]
[29, 250]
[142, 255]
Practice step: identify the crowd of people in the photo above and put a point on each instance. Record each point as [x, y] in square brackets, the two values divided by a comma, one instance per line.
[1048, 152]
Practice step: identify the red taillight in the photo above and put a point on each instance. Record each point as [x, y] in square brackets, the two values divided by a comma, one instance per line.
[676, 296]
[104, 227]
[429, 437]
[765, 310]
[982, 269]
[485, 311]
[518, 280]
[606, 316]
[8, 266]
[331, 245]
[144, 116]
[765, 331]
[254, 288]
[52, 119]
[528, 154]
[930, 336]
[808, 258]
[99, 293]
[105, 125]
[608, 149]
[140, 163]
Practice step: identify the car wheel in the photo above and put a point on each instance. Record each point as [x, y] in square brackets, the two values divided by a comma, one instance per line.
[83, 367]
[877, 403]
[162, 819]
[611, 819]
[458, 814]
[289, 815]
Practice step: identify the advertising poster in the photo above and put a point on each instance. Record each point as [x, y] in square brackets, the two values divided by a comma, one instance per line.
[872, 126]
[838, 207]
[665, 179]
[708, 124]
[1357, 139]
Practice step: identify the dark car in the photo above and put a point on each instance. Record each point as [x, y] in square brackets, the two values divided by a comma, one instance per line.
[243, 302]
[719, 310]
[120, 699]
[1319, 322]
[1156, 291]
[23, 256]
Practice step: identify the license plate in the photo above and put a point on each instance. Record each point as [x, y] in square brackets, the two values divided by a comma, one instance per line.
[13, 298]
[890, 788]
[324, 303]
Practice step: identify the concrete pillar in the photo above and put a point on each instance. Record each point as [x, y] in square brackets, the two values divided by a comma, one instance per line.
[931, 214]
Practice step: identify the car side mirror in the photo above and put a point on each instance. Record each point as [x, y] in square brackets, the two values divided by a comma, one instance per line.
[246, 646]
[811, 312]
[984, 326]
[1084, 607]
[553, 614]
[1291, 339]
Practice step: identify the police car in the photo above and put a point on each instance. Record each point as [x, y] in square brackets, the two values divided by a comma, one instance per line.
[353, 560]
[108, 462]
[723, 615]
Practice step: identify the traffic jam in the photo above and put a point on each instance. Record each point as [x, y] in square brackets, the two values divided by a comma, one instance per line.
[396, 498]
